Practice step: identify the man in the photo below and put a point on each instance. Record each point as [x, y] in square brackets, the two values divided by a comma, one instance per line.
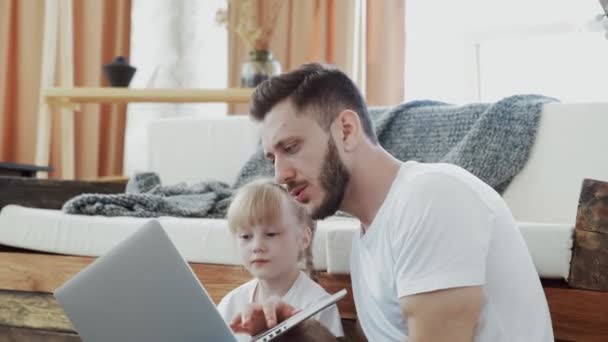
[439, 256]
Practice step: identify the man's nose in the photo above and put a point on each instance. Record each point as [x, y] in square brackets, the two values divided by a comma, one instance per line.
[283, 171]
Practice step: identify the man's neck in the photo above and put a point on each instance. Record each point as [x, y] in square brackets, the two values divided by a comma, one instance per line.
[276, 287]
[370, 182]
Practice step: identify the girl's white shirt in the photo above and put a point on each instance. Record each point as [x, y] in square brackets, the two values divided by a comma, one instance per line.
[302, 293]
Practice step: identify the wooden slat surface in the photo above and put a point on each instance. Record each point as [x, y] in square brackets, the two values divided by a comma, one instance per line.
[35, 316]
[33, 310]
[578, 315]
[16, 334]
[45, 273]
[49, 194]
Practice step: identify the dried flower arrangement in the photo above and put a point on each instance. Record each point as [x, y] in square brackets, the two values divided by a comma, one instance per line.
[252, 26]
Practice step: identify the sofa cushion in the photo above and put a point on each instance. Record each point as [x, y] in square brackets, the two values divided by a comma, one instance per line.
[570, 146]
[191, 150]
[210, 241]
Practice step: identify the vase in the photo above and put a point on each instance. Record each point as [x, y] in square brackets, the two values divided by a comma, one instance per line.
[119, 73]
[260, 66]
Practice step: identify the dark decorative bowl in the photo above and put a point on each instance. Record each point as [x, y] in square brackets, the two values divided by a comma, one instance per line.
[119, 73]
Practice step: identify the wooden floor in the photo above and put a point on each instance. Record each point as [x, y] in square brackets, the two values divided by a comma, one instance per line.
[35, 316]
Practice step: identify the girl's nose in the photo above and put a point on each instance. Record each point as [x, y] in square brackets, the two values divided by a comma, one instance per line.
[258, 245]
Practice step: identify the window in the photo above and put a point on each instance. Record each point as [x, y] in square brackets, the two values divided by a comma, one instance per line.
[483, 50]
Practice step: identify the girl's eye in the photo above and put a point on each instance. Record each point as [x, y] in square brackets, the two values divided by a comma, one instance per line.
[272, 234]
[244, 236]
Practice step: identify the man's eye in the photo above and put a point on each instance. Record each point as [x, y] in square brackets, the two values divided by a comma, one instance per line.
[291, 148]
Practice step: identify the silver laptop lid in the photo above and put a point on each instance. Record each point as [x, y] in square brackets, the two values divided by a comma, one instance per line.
[141, 290]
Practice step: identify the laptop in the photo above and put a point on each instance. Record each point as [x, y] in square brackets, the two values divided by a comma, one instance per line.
[144, 290]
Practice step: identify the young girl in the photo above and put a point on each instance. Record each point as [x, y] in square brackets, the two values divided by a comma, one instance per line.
[273, 234]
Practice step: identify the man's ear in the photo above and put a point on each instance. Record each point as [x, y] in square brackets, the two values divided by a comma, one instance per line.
[349, 128]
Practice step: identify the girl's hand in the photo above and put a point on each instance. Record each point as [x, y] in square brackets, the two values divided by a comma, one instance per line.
[257, 318]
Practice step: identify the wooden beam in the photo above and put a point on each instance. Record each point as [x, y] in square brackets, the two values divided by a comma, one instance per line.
[66, 79]
[68, 96]
[49, 194]
[589, 265]
[47, 78]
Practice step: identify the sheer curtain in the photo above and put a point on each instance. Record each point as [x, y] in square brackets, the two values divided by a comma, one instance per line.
[174, 44]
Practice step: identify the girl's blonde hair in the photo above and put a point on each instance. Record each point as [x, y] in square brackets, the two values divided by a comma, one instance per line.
[262, 202]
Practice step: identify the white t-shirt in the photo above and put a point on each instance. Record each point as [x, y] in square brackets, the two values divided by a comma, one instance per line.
[440, 227]
[302, 293]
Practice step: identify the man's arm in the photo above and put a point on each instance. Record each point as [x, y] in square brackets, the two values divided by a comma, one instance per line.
[444, 315]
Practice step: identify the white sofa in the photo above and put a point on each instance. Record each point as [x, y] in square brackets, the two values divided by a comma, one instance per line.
[570, 146]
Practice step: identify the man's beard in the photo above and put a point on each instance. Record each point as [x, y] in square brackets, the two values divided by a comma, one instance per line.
[334, 178]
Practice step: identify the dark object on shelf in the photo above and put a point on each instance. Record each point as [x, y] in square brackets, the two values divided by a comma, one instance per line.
[119, 73]
[22, 170]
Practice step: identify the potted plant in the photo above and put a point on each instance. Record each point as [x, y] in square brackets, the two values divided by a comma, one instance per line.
[255, 31]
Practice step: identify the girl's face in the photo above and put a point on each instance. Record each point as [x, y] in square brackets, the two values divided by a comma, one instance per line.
[271, 251]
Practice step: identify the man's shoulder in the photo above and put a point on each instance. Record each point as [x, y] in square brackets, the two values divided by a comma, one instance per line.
[414, 172]
[425, 189]
[427, 179]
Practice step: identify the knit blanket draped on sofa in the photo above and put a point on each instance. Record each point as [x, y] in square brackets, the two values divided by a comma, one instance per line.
[490, 140]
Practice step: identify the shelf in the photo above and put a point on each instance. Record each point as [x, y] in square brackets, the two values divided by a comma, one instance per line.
[66, 96]
[70, 100]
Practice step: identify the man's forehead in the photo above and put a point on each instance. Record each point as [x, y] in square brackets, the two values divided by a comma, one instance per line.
[282, 122]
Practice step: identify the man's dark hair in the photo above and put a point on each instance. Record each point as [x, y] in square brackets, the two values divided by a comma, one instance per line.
[324, 89]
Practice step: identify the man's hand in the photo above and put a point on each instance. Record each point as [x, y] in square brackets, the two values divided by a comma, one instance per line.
[445, 315]
[257, 318]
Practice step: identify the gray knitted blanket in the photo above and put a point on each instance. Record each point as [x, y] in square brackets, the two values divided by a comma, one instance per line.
[492, 141]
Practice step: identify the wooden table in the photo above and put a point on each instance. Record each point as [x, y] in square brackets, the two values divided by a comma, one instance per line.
[69, 100]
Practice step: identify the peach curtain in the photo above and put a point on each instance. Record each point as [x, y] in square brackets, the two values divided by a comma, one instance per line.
[101, 30]
[370, 50]
[385, 52]
[21, 25]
